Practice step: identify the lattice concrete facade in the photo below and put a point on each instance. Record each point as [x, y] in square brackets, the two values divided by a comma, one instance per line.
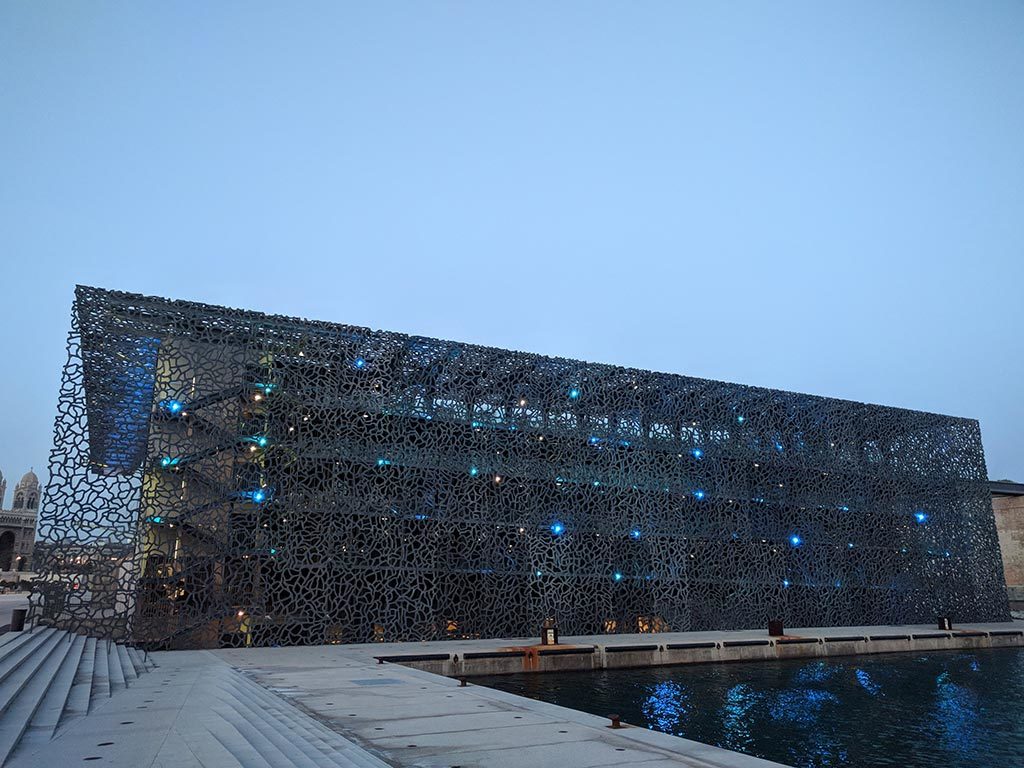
[224, 477]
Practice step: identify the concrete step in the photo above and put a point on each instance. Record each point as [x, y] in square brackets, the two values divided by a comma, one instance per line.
[100, 676]
[32, 681]
[114, 669]
[32, 656]
[44, 723]
[324, 741]
[284, 735]
[130, 675]
[49, 678]
[22, 650]
[237, 745]
[77, 703]
[325, 746]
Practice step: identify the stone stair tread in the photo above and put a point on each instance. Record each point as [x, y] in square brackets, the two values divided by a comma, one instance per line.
[338, 750]
[128, 669]
[22, 650]
[27, 688]
[12, 683]
[47, 716]
[115, 672]
[77, 703]
[325, 741]
[286, 739]
[239, 747]
[100, 676]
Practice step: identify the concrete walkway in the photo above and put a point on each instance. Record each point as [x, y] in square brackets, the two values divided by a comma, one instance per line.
[336, 706]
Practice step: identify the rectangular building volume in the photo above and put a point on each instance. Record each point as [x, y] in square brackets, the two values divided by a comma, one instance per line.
[228, 478]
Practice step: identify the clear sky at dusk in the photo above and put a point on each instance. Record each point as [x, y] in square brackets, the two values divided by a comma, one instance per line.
[821, 197]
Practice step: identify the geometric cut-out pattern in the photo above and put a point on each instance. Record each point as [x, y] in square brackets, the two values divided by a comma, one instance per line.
[224, 477]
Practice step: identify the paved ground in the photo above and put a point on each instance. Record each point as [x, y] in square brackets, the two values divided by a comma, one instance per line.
[313, 705]
[415, 718]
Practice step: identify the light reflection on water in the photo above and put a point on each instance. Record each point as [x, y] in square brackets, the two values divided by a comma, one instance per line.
[951, 709]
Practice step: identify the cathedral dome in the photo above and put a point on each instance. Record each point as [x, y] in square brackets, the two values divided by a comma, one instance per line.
[29, 479]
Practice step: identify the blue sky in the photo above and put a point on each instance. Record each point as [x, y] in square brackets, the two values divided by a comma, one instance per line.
[826, 198]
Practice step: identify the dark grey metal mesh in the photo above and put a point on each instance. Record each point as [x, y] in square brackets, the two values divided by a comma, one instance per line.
[222, 477]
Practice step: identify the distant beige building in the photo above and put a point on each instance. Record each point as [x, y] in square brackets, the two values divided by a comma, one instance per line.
[18, 524]
[1008, 505]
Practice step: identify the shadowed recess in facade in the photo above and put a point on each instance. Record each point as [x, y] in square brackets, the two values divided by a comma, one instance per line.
[224, 477]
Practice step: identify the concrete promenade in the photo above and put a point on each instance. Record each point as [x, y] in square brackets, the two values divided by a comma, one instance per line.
[336, 705]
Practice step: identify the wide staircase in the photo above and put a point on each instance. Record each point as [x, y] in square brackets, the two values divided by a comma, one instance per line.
[49, 678]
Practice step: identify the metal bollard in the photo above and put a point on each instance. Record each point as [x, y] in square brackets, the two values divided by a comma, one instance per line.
[18, 619]
[616, 721]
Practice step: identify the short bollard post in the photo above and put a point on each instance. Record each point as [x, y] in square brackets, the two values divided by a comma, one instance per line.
[18, 619]
[462, 682]
[616, 721]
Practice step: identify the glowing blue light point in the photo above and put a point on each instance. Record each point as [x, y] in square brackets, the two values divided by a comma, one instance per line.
[262, 442]
[538, 574]
[635, 534]
[359, 362]
[574, 394]
[740, 419]
[785, 582]
[594, 440]
[473, 471]
[617, 576]
[174, 406]
[699, 494]
[259, 496]
[697, 453]
[557, 528]
[795, 540]
[921, 516]
[165, 461]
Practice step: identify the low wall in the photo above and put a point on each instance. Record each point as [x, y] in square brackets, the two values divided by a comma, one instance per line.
[562, 658]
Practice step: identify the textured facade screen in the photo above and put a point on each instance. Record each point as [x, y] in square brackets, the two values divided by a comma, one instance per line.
[223, 477]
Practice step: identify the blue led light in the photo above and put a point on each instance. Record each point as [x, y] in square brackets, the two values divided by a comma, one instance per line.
[383, 462]
[174, 406]
[557, 528]
[635, 534]
[697, 453]
[165, 461]
[538, 574]
[849, 545]
[617, 576]
[574, 394]
[740, 419]
[779, 448]
[273, 551]
[259, 496]
[921, 516]
[157, 519]
[795, 540]
[262, 442]
[785, 582]
[420, 516]
[698, 494]
[473, 471]
[359, 362]
[594, 440]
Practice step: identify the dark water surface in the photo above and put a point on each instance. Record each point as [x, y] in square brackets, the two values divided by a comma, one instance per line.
[935, 709]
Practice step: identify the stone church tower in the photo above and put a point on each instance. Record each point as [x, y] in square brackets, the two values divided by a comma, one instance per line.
[18, 524]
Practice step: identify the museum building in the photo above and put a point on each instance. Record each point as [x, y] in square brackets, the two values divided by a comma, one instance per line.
[223, 477]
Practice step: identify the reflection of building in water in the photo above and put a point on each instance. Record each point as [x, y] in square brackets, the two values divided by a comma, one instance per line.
[18, 524]
[283, 481]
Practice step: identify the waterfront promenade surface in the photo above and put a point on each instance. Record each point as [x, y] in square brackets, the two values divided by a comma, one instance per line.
[335, 705]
